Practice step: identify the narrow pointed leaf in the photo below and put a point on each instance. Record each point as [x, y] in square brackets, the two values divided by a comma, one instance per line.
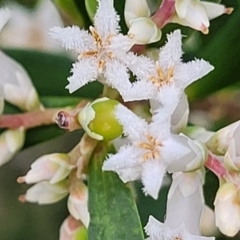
[113, 212]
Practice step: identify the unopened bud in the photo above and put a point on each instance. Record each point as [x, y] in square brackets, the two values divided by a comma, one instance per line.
[144, 30]
[10, 142]
[232, 157]
[135, 9]
[214, 10]
[194, 158]
[16, 86]
[78, 202]
[179, 117]
[72, 229]
[99, 121]
[221, 140]
[192, 14]
[53, 167]
[227, 209]
[45, 193]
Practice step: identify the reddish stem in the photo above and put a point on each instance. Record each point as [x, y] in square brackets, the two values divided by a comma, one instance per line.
[165, 12]
[28, 120]
[215, 166]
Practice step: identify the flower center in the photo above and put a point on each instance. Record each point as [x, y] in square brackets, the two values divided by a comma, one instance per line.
[162, 77]
[152, 148]
[102, 54]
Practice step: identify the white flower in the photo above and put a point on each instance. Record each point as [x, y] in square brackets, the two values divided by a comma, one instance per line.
[158, 231]
[151, 149]
[102, 52]
[165, 79]
[196, 14]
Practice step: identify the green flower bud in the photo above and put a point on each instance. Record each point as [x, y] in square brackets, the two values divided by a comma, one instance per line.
[99, 121]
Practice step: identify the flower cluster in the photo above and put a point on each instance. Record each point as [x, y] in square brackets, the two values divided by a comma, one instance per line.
[147, 149]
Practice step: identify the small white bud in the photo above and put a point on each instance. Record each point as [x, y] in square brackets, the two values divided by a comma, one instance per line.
[221, 140]
[78, 202]
[143, 31]
[207, 222]
[72, 229]
[10, 142]
[53, 167]
[16, 86]
[195, 158]
[135, 9]
[45, 193]
[179, 117]
[232, 157]
[191, 13]
[227, 209]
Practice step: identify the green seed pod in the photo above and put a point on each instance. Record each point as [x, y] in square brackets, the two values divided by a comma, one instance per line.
[99, 121]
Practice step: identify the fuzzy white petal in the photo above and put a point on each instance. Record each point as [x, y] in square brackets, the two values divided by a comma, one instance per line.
[141, 66]
[83, 71]
[132, 124]
[152, 177]
[140, 90]
[189, 72]
[127, 157]
[129, 174]
[72, 38]
[120, 44]
[159, 231]
[169, 96]
[116, 75]
[106, 19]
[171, 53]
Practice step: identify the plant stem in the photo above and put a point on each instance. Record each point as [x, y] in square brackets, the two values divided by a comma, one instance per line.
[164, 13]
[30, 119]
[215, 166]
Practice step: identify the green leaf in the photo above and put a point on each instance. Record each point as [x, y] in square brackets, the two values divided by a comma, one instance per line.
[222, 50]
[113, 212]
[91, 7]
[70, 10]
